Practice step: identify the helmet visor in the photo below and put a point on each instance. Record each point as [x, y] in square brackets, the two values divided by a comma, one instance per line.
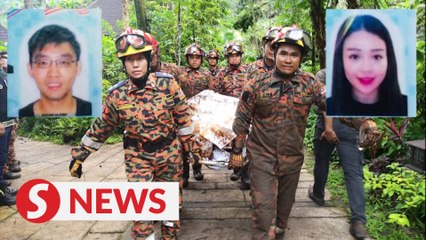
[233, 49]
[272, 33]
[299, 34]
[135, 40]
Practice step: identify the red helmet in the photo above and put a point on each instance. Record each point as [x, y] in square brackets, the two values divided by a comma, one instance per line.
[232, 48]
[151, 39]
[194, 49]
[132, 41]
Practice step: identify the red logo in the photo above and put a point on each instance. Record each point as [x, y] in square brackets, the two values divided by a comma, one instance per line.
[38, 201]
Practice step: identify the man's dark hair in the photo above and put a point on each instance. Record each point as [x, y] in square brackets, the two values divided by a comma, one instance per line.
[52, 34]
[3, 53]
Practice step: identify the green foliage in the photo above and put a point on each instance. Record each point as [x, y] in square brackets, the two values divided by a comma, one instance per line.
[401, 192]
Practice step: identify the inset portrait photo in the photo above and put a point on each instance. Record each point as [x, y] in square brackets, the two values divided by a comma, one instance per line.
[371, 63]
[56, 55]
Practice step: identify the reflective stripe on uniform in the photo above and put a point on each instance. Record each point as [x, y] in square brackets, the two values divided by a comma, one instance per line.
[87, 141]
[168, 223]
[185, 131]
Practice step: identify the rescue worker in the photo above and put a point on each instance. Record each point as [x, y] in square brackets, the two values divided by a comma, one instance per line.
[346, 141]
[213, 57]
[276, 105]
[230, 81]
[156, 118]
[193, 79]
[156, 64]
[266, 63]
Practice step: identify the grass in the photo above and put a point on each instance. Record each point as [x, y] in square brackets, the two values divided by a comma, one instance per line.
[377, 216]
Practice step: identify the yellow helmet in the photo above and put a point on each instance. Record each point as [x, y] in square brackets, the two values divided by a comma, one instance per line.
[132, 41]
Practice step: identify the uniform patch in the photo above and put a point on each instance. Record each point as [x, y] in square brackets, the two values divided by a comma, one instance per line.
[163, 75]
[126, 106]
[119, 84]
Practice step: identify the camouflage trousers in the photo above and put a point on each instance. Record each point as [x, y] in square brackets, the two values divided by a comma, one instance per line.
[164, 165]
[11, 155]
[272, 199]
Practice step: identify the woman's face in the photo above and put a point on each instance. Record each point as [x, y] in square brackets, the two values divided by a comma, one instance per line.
[365, 63]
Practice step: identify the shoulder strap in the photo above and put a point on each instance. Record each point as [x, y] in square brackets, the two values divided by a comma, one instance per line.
[117, 85]
[163, 75]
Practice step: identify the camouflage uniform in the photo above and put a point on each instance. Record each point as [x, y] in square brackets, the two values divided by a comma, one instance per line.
[257, 67]
[230, 82]
[214, 70]
[11, 155]
[169, 68]
[156, 119]
[194, 81]
[277, 111]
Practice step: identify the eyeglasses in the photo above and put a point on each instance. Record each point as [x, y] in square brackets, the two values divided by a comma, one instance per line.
[136, 41]
[61, 63]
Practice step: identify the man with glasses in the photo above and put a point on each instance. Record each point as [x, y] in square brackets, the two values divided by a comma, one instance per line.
[273, 111]
[152, 109]
[54, 64]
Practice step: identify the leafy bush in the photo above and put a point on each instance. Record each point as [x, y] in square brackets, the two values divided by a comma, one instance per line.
[401, 192]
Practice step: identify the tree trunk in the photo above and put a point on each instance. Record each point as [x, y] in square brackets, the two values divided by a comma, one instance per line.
[179, 34]
[141, 15]
[318, 23]
[125, 14]
[353, 4]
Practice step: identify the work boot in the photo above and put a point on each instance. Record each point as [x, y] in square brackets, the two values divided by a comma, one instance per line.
[14, 167]
[198, 175]
[235, 175]
[7, 199]
[196, 170]
[315, 199]
[185, 175]
[6, 189]
[279, 233]
[11, 175]
[358, 230]
[7, 183]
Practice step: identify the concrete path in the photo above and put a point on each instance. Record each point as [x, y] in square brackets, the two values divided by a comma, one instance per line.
[213, 209]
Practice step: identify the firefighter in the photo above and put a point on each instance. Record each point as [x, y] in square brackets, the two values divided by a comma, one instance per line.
[156, 118]
[276, 105]
[230, 81]
[213, 57]
[193, 79]
[266, 63]
[156, 64]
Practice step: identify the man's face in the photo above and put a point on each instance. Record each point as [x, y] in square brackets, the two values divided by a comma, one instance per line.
[234, 59]
[269, 51]
[155, 60]
[194, 61]
[136, 65]
[54, 69]
[212, 62]
[288, 58]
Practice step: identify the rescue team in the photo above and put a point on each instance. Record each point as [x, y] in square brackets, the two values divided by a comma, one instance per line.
[275, 99]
